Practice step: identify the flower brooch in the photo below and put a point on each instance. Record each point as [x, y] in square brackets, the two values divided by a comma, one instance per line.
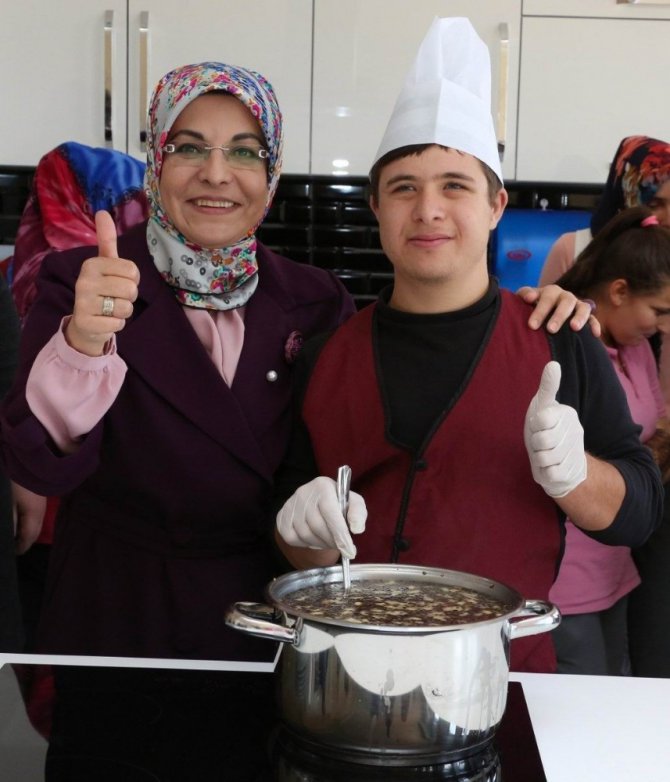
[293, 346]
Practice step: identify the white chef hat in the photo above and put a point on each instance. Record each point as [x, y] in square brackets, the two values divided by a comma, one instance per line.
[446, 98]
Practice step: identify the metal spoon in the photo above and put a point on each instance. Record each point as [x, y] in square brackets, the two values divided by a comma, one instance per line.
[343, 484]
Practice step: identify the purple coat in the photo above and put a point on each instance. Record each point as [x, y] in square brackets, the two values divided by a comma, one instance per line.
[165, 516]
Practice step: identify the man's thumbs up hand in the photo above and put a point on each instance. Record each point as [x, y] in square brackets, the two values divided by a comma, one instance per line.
[554, 438]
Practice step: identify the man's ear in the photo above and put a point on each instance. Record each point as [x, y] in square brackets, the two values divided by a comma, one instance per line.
[374, 206]
[618, 291]
[498, 207]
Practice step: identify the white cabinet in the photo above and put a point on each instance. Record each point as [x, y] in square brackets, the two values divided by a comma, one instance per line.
[570, 78]
[603, 9]
[270, 36]
[592, 72]
[53, 59]
[362, 51]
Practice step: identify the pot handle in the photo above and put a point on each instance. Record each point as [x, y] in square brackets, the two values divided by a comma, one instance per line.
[260, 620]
[535, 616]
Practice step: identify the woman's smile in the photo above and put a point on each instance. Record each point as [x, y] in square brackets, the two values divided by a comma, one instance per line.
[210, 202]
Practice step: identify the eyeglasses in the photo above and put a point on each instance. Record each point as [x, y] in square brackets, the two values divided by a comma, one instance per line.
[239, 156]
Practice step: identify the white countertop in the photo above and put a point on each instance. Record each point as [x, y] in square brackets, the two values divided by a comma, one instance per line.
[600, 728]
[588, 728]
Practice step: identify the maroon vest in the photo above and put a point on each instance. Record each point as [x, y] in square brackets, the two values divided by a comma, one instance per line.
[470, 502]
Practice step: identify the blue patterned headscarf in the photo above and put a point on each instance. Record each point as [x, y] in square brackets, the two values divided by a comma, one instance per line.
[226, 277]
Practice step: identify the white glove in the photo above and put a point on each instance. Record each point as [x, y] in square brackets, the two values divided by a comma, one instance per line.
[554, 438]
[311, 518]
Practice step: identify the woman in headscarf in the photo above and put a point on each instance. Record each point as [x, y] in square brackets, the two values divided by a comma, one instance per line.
[639, 175]
[154, 386]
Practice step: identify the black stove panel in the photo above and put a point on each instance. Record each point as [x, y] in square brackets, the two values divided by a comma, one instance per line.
[142, 725]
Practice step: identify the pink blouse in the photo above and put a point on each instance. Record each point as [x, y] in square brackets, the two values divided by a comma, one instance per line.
[70, 392]
[593, 576]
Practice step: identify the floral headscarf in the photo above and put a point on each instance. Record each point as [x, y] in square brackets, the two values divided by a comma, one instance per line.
[640, 166]
[224, 278]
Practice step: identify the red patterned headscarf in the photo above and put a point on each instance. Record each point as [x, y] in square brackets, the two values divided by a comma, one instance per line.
[640, 166]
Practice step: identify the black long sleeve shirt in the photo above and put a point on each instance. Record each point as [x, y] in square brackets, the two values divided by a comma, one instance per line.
[423, 361]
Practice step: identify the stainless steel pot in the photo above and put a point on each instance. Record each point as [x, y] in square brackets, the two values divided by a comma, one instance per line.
[382, 694]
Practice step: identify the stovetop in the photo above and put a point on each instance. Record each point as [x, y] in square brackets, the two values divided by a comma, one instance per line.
[89, 724]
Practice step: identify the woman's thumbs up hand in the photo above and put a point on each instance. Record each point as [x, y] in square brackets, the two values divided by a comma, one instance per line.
[104, 293]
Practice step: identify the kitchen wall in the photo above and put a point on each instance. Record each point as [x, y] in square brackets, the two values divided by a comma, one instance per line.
[323, 220]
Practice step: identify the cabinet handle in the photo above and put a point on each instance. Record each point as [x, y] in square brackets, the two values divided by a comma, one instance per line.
[107, 76]
[501, 117]
[643, 2]
[144, 76]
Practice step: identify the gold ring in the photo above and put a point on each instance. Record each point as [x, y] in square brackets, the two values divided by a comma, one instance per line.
[107, 305]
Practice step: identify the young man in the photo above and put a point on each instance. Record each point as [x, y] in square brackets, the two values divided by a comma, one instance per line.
[470, 436]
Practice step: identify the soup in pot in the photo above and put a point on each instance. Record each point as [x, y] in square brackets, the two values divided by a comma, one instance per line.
[395, 603]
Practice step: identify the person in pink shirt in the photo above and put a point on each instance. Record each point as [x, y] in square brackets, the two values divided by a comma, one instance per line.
[625, 270]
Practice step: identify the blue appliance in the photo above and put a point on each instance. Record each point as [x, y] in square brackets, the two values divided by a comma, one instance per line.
[523, 238]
